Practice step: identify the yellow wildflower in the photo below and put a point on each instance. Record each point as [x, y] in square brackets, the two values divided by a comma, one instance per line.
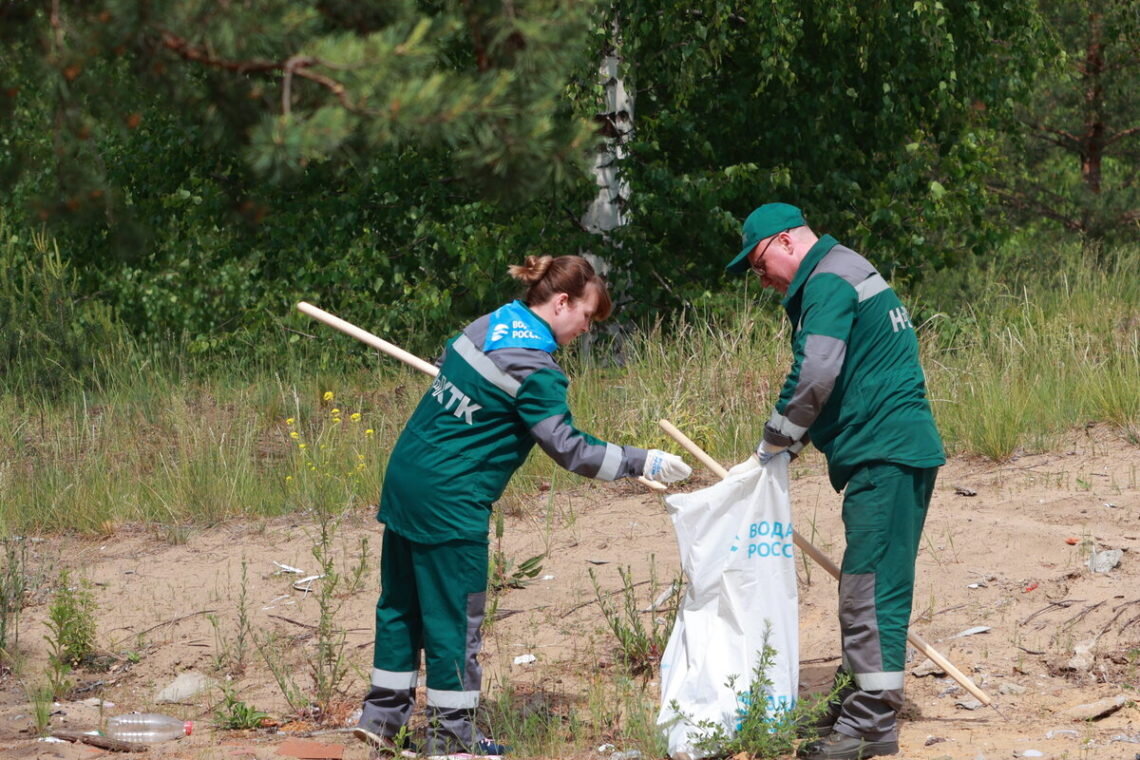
[328, 396]
[294, 435]
[334, 412]
[369, 432]
[303, 445]
[290, 422]
[288, 478]
[355, 417]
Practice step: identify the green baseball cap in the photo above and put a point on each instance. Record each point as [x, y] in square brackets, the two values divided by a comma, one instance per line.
[764, 222]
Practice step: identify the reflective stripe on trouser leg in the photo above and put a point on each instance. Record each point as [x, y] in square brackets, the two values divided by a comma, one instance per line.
[452, 578]
[884, 509]
[387, 706]
[396, 649]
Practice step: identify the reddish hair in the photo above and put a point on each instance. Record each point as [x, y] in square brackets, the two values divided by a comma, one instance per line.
[546, 276]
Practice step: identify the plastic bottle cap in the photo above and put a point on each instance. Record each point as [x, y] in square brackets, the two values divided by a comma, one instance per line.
[188, 727]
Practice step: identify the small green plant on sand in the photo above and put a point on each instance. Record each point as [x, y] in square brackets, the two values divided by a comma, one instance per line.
[71, 632]
[765, 729]
[233, 713]
[639, 645]
[41, 697]
[13, 585]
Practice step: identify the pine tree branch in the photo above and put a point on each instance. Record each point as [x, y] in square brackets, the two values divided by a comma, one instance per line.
[1023, 202]
[295, 65]
[1121, 135]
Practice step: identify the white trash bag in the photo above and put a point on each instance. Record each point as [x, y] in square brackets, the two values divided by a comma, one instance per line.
[736, 544]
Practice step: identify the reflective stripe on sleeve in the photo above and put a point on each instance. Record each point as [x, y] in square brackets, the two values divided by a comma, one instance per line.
[784, 426]
[611, 463]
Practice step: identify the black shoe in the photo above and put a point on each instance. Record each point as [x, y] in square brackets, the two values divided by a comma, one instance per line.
[837, 746]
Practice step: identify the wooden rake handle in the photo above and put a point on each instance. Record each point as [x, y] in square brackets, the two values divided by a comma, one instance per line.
[825, 562]
[396, 352]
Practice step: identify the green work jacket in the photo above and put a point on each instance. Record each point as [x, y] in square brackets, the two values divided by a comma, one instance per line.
[498, 392]
[856, 388]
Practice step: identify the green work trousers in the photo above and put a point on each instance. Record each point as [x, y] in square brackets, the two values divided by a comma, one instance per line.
[884, 509]
[432, 599]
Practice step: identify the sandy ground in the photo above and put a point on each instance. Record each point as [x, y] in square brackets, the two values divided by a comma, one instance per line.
[1006, 549]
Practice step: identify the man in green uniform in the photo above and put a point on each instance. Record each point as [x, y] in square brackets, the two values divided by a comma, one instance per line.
[857, 391]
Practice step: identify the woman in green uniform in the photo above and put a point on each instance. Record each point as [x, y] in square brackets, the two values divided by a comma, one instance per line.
[499, 391]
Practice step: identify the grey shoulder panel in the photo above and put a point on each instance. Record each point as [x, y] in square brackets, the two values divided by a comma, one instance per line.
[846, 263]
[521, 363]
[476, 332]
[854, 269]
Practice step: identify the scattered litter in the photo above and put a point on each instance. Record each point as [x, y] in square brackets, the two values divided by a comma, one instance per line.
[96, 702]
[288, 569]
[51, 740]
[979, 584]
[972, 631]
[962, 491]
[306, 583]
[273, 602]
[661, 599]
[1082, 658]
[1032, 753]
[1125, 738]
[1110, 505]
[1029, 588]
[1096, 710]
[1059, 732]
[182, 688]
[548, 577]
[525, 659]
[598, 561]
[1102, 562]
[606, 748]
[1072, 540]
[934, 740]
[968, 704]
[632, 754]
[308, 749]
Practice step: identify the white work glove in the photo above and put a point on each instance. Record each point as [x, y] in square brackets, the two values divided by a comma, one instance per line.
[665, 467]
[748, 465]
[765, 451]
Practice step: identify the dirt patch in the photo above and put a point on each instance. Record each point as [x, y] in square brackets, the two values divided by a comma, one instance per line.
[1006, 550]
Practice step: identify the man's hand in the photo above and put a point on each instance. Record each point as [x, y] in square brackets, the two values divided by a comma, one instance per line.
[766, 451]
[665, 467]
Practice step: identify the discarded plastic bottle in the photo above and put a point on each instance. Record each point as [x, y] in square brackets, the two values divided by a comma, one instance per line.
[146, 728]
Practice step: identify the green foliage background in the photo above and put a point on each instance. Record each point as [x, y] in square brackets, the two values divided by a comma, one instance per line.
[199, 168]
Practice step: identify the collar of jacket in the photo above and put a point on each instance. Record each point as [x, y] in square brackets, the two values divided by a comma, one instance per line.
[807, 266]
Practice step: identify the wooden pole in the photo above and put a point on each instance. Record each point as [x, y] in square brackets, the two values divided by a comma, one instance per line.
[825, 562]
[396, 352]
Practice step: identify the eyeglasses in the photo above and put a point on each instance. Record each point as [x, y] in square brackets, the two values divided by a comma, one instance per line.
[757, 266]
